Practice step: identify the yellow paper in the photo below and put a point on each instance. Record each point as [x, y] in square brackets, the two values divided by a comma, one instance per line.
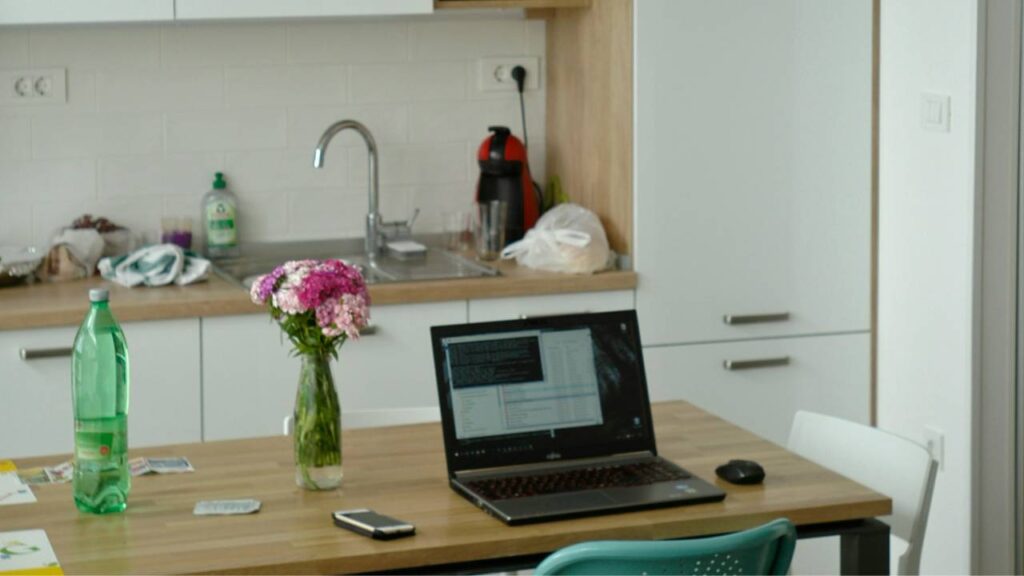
[7, 466]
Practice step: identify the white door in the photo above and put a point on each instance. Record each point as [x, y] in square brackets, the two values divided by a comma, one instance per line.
[753, 163]
[35, 393]
[250, 376]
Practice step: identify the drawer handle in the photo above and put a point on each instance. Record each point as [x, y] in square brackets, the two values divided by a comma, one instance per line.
[756, 363]
[736, 319]
[39, 353]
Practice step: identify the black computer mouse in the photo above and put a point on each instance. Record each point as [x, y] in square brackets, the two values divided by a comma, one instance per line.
[741, 472]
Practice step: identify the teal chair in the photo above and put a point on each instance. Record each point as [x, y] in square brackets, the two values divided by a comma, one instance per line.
[766, 549]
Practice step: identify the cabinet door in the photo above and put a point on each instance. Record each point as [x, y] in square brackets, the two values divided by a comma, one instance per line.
[827, 374]
[36, 416]
[249, 375]
[512, 308]
[77, 11]
[753, 164]
[230, 9]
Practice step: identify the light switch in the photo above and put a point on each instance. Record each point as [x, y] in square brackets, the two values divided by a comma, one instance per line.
[935, 112]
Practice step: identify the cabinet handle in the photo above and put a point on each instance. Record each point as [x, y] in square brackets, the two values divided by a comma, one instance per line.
[756, 363]
[39, 353]
[735, 319]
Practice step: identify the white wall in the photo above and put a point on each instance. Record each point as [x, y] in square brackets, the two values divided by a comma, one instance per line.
[926, 236]
[154, 111]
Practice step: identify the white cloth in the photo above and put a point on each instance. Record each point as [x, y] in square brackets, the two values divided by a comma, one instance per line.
[156, 265]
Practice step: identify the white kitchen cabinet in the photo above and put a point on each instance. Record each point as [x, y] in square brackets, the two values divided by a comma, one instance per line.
[82, 11]
[487, 310]
[35, 410]
[827, 374]
[250, 378]
[240, 9]
[753, 164]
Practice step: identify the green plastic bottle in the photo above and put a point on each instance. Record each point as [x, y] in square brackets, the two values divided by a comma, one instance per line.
[99, 392]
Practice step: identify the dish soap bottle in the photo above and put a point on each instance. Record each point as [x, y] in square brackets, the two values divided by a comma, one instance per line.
[220, 220]
[99, 394]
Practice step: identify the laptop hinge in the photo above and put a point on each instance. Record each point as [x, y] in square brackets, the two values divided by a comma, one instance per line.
[540, 467]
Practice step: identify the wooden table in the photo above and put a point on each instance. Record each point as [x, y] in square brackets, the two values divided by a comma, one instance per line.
[400, 471]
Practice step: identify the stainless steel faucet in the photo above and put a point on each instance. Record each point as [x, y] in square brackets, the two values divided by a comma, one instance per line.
[373, 220]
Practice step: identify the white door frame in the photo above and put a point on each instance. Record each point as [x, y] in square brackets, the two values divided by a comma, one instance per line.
[996, 371]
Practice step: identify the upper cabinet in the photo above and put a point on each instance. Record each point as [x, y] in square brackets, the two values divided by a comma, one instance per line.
[753, 168]
[78, 11]
[240, 9]
[81, 11]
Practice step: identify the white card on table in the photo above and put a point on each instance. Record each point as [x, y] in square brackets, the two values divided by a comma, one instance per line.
[13, 491]
[27, 551]
[169, 465]
[226, 507]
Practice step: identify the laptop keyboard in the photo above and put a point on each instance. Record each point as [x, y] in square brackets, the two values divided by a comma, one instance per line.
[595, 477]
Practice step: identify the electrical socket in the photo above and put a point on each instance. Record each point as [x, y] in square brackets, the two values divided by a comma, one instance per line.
[935, 442]
[496, 73]
[32, 87]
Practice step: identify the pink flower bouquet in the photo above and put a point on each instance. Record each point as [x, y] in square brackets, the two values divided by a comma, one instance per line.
[319, 304]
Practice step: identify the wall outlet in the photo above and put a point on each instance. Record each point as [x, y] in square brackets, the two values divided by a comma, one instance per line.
[33, 87]
[935, 442]
[496, 73]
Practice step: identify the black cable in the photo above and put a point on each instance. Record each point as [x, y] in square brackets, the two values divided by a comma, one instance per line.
[519, 75]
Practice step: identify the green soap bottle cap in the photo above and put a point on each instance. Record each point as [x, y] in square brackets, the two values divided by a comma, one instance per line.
[218, 182]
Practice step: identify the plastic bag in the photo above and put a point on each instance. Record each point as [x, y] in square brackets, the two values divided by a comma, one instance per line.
[567, 238]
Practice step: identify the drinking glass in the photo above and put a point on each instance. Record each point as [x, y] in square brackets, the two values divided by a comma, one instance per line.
[491, 226]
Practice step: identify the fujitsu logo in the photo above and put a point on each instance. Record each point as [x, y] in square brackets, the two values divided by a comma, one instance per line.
[553, 456]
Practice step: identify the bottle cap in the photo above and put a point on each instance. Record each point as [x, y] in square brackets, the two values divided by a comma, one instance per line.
[218, 182]
[99, 295]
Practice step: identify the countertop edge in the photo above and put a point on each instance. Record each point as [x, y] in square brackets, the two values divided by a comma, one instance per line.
[56, 305]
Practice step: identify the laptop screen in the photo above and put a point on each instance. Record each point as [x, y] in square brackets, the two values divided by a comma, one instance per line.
[542, 389]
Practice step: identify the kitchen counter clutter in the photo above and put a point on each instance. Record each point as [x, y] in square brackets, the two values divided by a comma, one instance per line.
[63, 304]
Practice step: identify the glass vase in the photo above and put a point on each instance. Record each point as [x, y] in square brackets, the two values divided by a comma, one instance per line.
[317, 433]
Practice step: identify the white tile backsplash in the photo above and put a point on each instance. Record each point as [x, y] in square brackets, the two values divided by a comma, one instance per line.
[160, 90]
[15, 137]
[224, 44]
[154, 110]
[408, 82]
[348, 42]
[95, 47]
[225, 130]
[14, 49]
[387, 123]
[448, 40]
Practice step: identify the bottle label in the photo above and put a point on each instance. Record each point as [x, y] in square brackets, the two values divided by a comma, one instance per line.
[220, 225]
[93, 445]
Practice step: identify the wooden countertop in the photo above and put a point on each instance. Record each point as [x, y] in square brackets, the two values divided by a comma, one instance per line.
[64, 304]
[400, 471]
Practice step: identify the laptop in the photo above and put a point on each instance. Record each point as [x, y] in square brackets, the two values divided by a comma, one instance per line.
[548, 418]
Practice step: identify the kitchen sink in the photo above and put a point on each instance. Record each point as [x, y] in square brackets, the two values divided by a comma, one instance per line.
[437, 264]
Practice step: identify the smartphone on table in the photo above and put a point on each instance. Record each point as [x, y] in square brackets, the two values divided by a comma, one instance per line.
[368, 523]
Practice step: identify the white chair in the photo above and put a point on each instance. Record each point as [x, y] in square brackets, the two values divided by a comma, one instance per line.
[889, 464]
[375, 418]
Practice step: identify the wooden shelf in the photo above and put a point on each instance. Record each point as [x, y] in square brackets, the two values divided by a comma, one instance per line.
[526, 4]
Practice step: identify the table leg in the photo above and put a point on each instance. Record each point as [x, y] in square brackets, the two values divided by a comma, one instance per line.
[865, 550]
